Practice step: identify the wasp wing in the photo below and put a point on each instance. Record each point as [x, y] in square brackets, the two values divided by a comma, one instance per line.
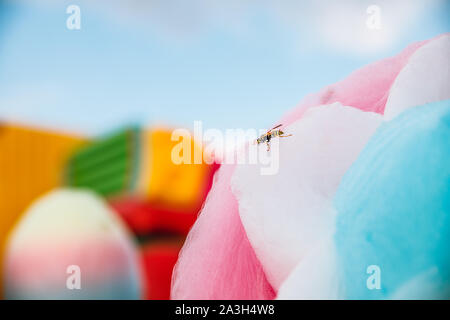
[276, 127]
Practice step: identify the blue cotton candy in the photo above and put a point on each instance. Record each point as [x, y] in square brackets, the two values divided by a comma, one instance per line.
[394, 209]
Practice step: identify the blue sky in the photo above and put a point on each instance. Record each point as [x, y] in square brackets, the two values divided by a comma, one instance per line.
[173, 66]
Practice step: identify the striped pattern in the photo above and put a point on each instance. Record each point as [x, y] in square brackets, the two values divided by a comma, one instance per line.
[109, 165]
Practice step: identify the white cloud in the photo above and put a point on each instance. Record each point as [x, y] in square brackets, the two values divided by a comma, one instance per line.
[340, 25]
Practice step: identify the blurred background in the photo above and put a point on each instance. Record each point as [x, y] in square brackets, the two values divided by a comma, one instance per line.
[94, 107]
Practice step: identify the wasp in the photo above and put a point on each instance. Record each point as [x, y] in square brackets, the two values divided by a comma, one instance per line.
[271, 134]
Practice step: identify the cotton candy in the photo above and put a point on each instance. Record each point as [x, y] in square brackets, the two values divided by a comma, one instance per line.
[70, 245]
[393, 209]
[255, 231]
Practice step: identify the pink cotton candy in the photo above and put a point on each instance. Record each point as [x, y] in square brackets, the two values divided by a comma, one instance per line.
[217, 260]
[366, 88]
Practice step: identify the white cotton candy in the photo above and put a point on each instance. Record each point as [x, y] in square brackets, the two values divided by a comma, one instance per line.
[289, 213]
[424, 79]
[315, 277]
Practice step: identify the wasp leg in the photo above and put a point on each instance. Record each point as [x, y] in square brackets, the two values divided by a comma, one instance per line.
[268, 146]
[285, 136]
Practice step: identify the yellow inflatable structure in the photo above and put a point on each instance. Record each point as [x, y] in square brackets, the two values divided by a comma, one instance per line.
[31, 162]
